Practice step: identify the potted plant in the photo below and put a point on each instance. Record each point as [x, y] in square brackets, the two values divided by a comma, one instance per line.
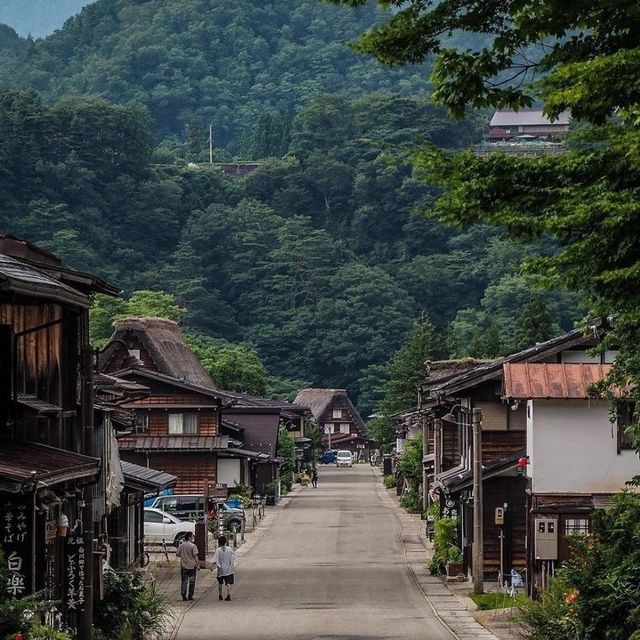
[454, 562]
[270, 493]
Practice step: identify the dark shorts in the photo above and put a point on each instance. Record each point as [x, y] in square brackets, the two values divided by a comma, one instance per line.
[226, 579]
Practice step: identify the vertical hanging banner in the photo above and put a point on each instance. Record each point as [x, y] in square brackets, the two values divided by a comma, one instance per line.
[74, 573]
[16, 521]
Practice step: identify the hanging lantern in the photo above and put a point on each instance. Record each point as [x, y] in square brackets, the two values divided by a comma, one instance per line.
[522, 464]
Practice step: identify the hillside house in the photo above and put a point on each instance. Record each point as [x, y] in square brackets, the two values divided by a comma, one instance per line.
[337, 418]
[52, 463]
[532, 124]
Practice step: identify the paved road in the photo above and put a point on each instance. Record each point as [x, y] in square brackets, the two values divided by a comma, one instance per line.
[332, 567]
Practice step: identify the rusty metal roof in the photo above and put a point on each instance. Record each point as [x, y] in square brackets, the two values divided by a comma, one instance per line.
[26, 463]
[542, 380]
[174, 443]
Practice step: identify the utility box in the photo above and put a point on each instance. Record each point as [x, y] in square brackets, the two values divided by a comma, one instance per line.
[546, 538]
[499, 516]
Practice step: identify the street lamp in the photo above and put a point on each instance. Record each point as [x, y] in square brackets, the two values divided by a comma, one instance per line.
[477, 567]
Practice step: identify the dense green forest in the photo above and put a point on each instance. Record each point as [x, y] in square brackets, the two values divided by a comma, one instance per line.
[313, 269]
[316, 259]
[219, 62]
[38, 18]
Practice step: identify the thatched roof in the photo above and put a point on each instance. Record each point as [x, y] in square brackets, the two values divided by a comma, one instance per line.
[319, 400]
[165, 345]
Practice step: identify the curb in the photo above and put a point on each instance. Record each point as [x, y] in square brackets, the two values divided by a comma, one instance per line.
[453, 615]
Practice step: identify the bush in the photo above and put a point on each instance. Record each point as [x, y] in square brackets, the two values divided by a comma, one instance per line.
[411, 501]
[43, 632]
[553, 616]
[445, 548]
[130, 608]
[390, 481]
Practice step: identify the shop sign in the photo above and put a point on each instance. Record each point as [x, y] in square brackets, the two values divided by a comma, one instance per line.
[75, 574]
[15, 528]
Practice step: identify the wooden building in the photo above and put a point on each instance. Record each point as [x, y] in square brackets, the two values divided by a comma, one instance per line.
[52, 500]
[338, 419]
[550, 453]
[532, 124]
[187, 427]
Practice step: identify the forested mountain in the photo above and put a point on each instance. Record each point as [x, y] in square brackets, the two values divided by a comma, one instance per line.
[220, 62]
[38, 18]
[316, 259]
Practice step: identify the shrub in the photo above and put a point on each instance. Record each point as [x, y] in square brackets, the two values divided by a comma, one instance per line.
[411, 500]
[552, 617]
[130, 608]
[44, 632]
[445, 548]
[390, 481]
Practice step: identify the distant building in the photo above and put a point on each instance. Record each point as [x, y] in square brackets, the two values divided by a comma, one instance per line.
[337, 417]
[525, 124]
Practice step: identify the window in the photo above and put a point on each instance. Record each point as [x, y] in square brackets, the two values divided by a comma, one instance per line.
[573, 526]
[625, 420]
[337, 413]
[142, 421]
[328, 428]
[183, 423]
[344, 427]
[152, 516]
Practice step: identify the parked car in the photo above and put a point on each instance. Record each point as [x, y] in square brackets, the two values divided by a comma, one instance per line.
[328, 457]
[191, 507]
[344, 458]
[160, 526]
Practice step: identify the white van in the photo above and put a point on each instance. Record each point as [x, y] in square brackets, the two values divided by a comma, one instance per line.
[344, 459]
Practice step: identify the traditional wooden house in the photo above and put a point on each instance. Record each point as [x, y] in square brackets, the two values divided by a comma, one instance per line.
[186, 426]
[338, 419]
[507, 435]
[52, 500]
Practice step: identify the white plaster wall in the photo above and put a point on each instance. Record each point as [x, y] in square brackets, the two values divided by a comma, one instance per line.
[573, 448]
[229, 471]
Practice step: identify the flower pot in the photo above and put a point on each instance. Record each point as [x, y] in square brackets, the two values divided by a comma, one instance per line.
[454, 570]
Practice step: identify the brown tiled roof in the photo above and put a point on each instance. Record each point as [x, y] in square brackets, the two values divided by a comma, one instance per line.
[173, 443]
[543, 380]
[165, 345]
[23, 463]
[146, 478]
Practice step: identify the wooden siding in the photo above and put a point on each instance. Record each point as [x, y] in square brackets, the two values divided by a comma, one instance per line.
[450, 446]
[500, 444]
[497, 491]
[191, 469]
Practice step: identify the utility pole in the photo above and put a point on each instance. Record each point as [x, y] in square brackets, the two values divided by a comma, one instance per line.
[210, 144]
[478, 551]
[425, 448]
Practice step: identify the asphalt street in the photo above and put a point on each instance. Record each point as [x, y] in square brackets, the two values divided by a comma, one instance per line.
[332, 567]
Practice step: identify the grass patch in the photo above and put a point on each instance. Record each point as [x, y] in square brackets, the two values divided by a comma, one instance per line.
[497, 600]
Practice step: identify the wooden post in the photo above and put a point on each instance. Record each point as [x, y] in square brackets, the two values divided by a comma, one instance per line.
[478, 551]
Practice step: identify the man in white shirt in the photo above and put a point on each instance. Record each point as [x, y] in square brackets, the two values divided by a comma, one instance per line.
[189, 564]
[224, 560]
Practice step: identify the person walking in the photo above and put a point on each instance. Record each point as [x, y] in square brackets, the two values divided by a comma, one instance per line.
[224, 560]
[314, 477]
[189, 565]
